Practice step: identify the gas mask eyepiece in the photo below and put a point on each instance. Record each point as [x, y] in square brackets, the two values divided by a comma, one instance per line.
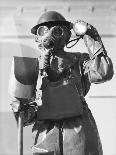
[55, 31]
[42, 31]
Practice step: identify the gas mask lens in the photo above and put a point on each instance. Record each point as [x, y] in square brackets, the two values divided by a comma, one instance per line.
[57, 31]
[42, 30]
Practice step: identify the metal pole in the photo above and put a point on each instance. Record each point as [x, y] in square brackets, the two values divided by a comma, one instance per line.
[20, 133]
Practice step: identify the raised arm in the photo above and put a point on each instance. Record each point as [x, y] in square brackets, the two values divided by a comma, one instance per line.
[99, 67]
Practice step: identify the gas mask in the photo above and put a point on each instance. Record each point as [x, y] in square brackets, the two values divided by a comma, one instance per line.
[52, 37]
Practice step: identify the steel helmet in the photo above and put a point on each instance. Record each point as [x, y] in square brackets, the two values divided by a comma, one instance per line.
[49, 18]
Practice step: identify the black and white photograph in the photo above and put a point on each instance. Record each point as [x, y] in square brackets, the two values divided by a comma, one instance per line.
[57, 77]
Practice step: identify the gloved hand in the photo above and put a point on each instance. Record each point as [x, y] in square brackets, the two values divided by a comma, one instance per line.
[22, 105]
[19, 105]
[93, 33]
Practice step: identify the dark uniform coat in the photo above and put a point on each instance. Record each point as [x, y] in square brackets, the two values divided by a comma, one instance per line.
[62, 128]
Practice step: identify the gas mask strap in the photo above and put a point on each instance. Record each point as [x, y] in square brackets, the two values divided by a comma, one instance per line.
[77, 39]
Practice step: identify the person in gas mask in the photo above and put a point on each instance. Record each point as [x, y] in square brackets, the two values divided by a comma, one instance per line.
[50, 89]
